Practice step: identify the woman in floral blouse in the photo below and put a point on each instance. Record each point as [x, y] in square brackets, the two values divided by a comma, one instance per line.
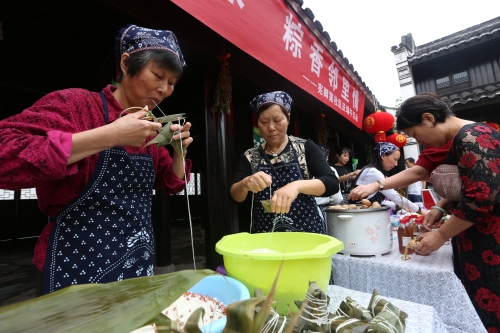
[475, 219]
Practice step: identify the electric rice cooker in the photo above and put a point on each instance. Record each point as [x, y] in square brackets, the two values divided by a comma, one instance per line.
[366, 231]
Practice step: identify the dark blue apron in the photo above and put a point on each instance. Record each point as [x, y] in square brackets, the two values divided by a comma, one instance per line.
[105, 234]
[303, 216]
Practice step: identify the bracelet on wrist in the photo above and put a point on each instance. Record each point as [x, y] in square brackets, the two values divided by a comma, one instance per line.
[440, 209]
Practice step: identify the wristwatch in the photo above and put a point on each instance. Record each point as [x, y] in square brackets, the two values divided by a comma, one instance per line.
[380, 185]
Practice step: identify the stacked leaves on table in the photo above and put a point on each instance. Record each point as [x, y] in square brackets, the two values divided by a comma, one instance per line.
[381, 316]
[120, 306]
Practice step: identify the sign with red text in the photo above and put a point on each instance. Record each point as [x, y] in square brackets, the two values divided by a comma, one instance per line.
[271, 32]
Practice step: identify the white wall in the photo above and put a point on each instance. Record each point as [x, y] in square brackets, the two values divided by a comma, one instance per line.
[404, 74]
[412, 149]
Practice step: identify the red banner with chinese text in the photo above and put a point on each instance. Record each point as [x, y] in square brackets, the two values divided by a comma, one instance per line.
[271, 32]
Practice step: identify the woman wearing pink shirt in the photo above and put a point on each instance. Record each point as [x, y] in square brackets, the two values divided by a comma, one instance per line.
[94, 177]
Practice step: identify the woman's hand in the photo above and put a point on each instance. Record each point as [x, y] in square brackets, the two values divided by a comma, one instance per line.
[433, 216]
[184, 134]
[429, 242]
[130, 130]
[283, 198]
[355, 173]
[423, 211]
[257, 182]
[362, 191]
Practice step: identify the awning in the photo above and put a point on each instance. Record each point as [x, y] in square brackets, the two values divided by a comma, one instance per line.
[271, 32]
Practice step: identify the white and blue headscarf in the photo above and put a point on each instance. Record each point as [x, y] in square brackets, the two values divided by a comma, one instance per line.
[133, 39]
[325, 150]
[277, 97]
[382, 148]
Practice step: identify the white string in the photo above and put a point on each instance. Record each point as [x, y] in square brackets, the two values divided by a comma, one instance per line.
[274, 322]
[320, 313]
[185, 178]
[186, 191]
[391, 327]
[251, 213]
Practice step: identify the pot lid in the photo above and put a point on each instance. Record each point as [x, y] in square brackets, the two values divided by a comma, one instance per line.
[359, 210]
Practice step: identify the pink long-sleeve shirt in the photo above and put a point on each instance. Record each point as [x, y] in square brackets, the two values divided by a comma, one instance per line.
[35, 146]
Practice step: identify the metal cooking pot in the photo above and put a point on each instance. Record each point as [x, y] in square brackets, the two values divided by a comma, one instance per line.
[365, 231]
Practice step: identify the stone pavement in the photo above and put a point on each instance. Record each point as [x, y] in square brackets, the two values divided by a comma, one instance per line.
[18, 274]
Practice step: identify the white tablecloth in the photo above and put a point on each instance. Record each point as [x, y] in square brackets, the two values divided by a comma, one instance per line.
[428, 280]
[421, 318]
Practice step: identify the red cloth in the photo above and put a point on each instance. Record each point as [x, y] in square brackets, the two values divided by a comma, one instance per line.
[35, 146]
[432, 157]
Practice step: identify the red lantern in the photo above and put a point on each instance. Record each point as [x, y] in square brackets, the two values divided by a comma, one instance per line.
[494, 125]
[378, 123]
[397, 139]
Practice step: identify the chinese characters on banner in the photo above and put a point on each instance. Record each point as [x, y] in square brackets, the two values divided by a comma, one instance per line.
[271, 32]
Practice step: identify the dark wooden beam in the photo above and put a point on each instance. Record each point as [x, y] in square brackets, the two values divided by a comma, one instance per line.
[161, 222]
[221, 213]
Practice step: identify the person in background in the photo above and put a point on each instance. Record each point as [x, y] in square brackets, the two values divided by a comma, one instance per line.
[414, 189]
[346, 176]
[85, 154]
[335, 199]
[474, 224]
[288, 171]
[386, 156]
[429, 159]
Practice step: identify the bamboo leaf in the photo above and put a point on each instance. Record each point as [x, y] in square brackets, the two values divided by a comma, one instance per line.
[164, 137]
[267, 205]
[177, 146]
[240, 315]
[262, 316]
[295, 319]
[170, 329]
[193, 321]
[121, 306]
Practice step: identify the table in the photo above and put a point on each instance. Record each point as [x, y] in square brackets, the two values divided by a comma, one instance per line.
[428, 280]
[421, 318]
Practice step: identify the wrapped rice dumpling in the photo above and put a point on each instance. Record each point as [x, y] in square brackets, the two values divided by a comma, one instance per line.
[315, 316]
[341, 324]
[354, 310]
[387, 317]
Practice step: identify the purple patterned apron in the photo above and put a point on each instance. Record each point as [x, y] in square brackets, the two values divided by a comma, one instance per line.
[105, 234]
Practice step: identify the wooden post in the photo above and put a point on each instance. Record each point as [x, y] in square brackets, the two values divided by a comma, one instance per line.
[161, 224]
[219, 213]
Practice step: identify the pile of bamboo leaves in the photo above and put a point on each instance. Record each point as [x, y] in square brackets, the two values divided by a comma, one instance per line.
[130, 304]
[121, 306]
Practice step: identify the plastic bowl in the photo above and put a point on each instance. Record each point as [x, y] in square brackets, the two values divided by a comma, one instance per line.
[254, 260]
[226, 290]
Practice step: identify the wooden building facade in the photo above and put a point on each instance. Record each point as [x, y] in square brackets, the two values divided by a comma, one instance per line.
[463, 68]
[60, 44]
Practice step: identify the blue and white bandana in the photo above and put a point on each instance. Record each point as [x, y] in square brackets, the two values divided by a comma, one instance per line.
[325, 150]
[384, 148]
[276, 97]
[133, 39]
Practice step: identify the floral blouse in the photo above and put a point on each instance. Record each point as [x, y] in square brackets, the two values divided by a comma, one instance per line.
[476, 151]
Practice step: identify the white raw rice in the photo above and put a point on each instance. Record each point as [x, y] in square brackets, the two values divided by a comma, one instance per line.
[185, 305]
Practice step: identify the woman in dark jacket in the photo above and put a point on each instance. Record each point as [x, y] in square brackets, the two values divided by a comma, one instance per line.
[288, 171]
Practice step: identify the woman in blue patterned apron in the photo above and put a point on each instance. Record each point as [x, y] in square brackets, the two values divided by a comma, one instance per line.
[288, 171]
[93, 175]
